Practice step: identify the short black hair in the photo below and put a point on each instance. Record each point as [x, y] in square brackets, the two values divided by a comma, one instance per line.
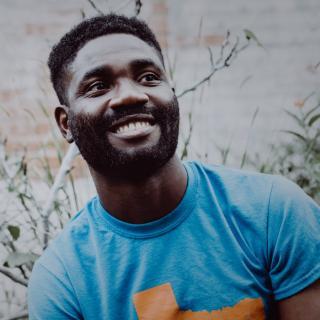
[65, 51]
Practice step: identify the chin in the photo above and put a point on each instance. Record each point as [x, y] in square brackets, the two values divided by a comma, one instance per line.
[138, 164]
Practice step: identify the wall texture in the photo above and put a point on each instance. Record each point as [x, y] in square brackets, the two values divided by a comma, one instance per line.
[261, 81]
[270, 79]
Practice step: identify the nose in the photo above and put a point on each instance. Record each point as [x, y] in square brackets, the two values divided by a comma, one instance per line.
[127, 94]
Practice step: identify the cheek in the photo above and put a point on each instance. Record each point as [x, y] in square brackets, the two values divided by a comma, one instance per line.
[93, 106]
[164, 96]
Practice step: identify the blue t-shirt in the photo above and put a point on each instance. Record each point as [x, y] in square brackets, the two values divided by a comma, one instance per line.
[236, 243]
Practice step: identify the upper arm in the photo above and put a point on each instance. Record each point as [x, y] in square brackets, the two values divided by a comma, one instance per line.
[51, 297]
[305, 305]
[293, 240]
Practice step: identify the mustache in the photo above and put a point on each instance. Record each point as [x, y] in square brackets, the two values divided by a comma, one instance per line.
[122, 112]
[101, 123]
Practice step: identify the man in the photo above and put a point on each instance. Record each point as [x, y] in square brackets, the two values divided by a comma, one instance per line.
[163, 239]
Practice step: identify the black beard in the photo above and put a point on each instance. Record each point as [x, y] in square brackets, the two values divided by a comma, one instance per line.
[89, 134]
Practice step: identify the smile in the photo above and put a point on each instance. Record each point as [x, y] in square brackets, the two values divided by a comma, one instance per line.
[133, 126]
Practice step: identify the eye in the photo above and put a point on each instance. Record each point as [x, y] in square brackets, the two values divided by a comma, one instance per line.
[149, 78]
[97, 87]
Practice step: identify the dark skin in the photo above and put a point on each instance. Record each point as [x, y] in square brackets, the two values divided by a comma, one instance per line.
[131, 200]
[158, 194]
[303, 306]
[148, 199]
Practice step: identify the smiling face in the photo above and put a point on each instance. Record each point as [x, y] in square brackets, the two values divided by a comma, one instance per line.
[122, 114]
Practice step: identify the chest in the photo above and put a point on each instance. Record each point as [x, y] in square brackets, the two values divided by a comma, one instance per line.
[194, 273]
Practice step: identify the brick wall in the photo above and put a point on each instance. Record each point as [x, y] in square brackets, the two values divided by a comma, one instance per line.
[271, 79]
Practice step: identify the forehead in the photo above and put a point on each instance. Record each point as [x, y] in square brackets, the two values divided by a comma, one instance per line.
[112, 49]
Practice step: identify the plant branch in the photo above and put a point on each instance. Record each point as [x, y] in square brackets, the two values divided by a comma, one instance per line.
[221, 63]
[58, 183]
[17, 316]
[13, 277]
[225, 43]
[137, 7]
[186, 143]
[93, 5]
[122, 5]
[211, 57]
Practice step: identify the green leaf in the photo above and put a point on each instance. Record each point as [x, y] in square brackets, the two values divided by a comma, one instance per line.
[5, 111]
[311, 111]
[295, 117]
[250, 35]
[29, 113]
[43, 109]
[313, 119]
[17, 259]
[296, 134]
[14, 231]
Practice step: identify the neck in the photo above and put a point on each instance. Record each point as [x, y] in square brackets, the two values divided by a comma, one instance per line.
[145, 200]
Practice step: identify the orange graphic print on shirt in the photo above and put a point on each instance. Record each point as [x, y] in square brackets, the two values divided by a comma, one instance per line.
[159, 303]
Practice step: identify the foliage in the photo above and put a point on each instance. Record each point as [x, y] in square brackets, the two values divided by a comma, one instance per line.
[38, 202]
[24, 228]
[33, 215]
[298, 158]
[36, 205]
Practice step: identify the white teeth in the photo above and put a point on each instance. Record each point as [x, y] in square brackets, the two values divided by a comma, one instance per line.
[133, 126]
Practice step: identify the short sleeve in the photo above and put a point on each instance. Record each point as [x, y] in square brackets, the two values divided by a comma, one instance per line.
[50, 297]
[293, 239]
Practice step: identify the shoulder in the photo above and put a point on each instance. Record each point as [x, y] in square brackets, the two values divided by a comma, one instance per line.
[234, 185]
[70, 243]
[243, 182]
[261, 199]
[54, 283]
[51, 278]
[291, 212]
[227, 175]
[293, 243]
[252, 188]
[286, 193]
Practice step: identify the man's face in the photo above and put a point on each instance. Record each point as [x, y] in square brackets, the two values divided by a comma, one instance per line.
[123, 114]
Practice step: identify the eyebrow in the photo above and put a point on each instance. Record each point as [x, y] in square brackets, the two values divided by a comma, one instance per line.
[143, 63]
[96, 72]
[106, 71]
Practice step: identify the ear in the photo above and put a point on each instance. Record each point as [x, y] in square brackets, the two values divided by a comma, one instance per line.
[61, 115]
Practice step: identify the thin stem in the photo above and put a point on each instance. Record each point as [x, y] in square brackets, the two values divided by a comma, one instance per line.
[93, 5]
[221, 63]
[58, 183]
[17, 316]
[138, 6]
[13, 277]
